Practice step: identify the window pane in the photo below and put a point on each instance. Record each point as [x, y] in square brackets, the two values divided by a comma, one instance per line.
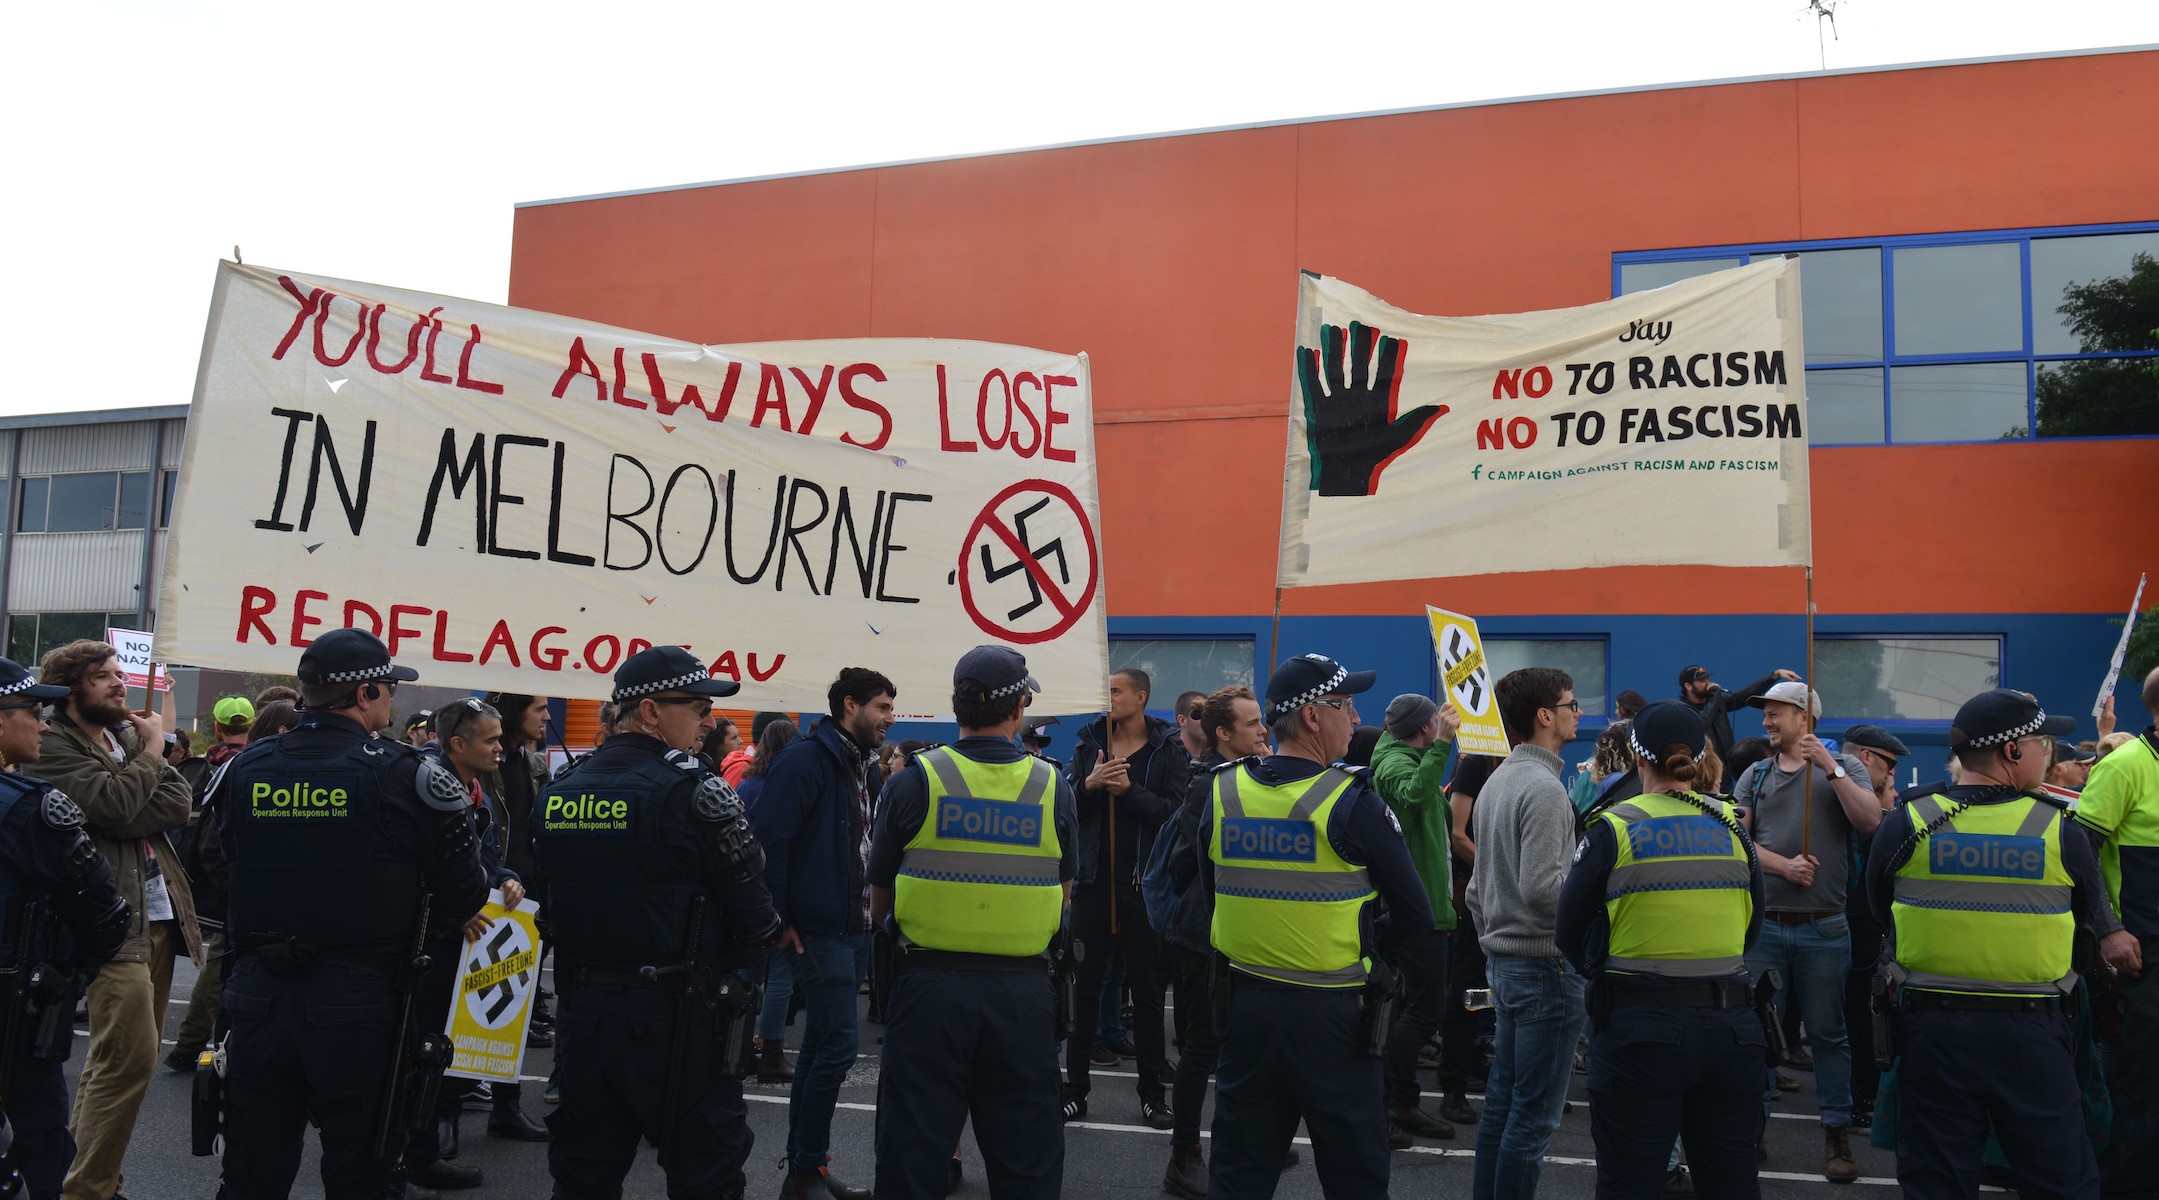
[2102, 318]
[164, 510]
[1909, 679]
[1640, 277]
[1844, 407]
[1970, 402]
[134, 500]
[1841, 305]
[1959, 299]
[22, 640]
[32, 517]
[81, 502]
[1185, 665]
[58, 629]
[1581, 658]
[2099, 397]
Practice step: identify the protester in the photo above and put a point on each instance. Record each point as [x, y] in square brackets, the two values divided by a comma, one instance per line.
[1128, 771]
[1715, 703]
[736, 764]
[1462, 1055]
[1626, 704]
[1800, 800]
[2071, 766]
[1190, 733]
[813, 818]
[772, 1064]
[1409, 770]
[721, 743]
[1525, 841]
[419, 728]
[108, 760]
[511, 790]
[1880, 751]
[1611, 759]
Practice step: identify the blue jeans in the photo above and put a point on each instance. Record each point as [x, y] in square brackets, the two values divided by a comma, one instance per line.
[1540, 1011]
[779, 990]
[1812, 959]
[828, 973]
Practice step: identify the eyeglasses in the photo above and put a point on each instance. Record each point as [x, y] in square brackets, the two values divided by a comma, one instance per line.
[1575, 705]
[1338, 704]
[704, 706]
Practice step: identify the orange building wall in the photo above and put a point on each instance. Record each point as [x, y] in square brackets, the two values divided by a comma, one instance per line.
[1173, 262]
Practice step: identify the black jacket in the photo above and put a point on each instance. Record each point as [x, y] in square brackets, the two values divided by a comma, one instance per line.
[1158, 773]
[1717, 709]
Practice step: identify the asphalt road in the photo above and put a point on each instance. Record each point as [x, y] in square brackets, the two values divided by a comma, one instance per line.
[1110, 1154]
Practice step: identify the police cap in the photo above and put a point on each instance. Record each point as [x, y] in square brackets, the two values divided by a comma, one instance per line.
[2001, 716]
[1001, 670]
[1665, 723]
[667, 669]
[351, 656]
[16, 681]
[1308, 677]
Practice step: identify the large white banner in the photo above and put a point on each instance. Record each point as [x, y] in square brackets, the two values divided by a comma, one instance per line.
[1669, 426]
[515, 500]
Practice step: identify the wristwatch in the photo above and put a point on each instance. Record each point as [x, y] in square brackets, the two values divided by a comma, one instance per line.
[1840, 772]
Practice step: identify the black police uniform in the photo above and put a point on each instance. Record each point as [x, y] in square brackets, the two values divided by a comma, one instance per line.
[46, 859]
[964, 1040]
[1288, 1051]
[333, 836]
[626, 840]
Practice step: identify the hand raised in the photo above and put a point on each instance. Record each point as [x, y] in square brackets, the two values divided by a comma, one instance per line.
[1349, 401]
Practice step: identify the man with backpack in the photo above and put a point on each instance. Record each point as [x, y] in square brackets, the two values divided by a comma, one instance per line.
[1183, 913]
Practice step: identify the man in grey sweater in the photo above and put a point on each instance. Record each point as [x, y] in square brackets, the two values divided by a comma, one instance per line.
[1524, 828]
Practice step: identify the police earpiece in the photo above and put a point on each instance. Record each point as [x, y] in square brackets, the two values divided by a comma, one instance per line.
[2016, 752]
[371, 691]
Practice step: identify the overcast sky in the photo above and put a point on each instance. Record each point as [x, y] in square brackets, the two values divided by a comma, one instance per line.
[389, 142]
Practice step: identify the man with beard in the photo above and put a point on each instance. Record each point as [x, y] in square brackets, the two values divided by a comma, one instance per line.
[110, 761]
[1714, 704]
[813, 819]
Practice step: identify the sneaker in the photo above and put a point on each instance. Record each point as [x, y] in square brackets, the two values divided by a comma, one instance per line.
[1156, 1114]
[1122, 1048]
[1187, 1173]
[1455, 1107]
[1076, 1109]
[1418, 1123]
[477, 1097]
[1103, 1056]
[1678, 1182]
[1398, 1138]
[1838, 1165]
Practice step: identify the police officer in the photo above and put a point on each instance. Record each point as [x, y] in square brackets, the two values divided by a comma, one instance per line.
[1663, 900]
[977, 894]
[45, 860]
[334, 836]
[1295, 850]
[1984, 885]
[637, 843]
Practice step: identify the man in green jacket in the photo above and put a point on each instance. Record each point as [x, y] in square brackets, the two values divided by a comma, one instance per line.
[1409, 767]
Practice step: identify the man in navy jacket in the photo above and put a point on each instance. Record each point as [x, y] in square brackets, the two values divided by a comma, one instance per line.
[813, 820]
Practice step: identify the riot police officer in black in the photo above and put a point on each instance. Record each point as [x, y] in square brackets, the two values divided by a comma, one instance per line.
[335, 836]
[64, 918]
[657, 898]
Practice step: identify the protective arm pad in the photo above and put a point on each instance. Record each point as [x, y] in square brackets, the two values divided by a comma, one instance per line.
[90, 906]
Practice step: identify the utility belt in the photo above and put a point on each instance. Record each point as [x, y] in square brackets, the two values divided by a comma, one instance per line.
[1608, 993]
[1798, 918]
[632, 977]
[290, 956]
[919, 959]
[1918, 1000]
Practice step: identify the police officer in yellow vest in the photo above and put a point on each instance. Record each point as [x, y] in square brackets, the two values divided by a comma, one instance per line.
[1297, 848]
[1984, 885]
[2120, 806]
[972, 860]
[1663, 900]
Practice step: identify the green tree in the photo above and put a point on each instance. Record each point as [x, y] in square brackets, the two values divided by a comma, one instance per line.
[2143, 652]
[2107, 397]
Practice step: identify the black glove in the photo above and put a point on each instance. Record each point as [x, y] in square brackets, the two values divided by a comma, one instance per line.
[1349, 425]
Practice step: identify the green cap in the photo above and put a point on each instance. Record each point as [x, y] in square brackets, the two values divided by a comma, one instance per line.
[233, 710]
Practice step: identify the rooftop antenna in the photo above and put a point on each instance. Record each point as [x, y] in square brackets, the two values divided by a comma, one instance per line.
[1825, 12]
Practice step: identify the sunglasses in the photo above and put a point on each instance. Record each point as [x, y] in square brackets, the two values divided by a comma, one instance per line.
[20, 704]
[704, 706]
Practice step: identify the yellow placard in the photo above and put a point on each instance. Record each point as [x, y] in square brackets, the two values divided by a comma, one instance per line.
[1468, 682]
[491, 998]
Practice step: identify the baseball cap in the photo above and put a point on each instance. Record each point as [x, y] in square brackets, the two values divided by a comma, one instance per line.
[2001, 716]
[2069, 752]
[667, 669]
[1307, 677]
[16, 681]
[1663, 723]
[233, 710]
[1876, 738]
[423, 719]
[1794, 693]
[350, 656]
[1692, 674]
[1001, 670]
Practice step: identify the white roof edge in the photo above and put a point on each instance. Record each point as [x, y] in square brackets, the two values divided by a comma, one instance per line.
[1353, 116]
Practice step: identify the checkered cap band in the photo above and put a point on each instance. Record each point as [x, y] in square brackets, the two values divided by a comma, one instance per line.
[1634, 742]
[363, 675]
[1011, 689]
[665, 685]
[1312, 694]
[27, 681]
[2006, 736]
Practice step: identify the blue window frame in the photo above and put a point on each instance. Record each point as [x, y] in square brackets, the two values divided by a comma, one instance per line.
[1939, 337]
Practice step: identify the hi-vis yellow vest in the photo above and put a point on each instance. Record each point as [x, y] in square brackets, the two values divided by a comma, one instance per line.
[1677, 897]
[980, 876]
[1983, 903]
[1285, 904]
